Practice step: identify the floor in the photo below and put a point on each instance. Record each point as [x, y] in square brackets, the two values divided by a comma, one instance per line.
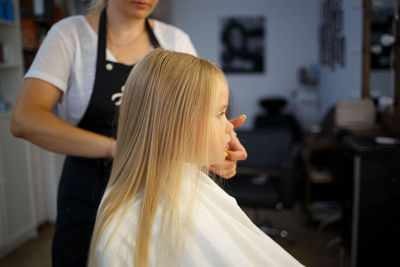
[311, 246]
[34, 253]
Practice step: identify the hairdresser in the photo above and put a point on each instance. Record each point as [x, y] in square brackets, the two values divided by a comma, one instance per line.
[68, 103]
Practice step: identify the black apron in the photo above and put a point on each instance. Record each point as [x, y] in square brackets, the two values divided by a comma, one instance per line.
[83, 180]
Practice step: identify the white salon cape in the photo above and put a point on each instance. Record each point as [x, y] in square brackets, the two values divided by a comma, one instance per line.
[222, 236]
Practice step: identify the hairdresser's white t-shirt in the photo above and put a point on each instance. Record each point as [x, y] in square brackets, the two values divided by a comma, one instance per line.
[222, 236]
[67, 60]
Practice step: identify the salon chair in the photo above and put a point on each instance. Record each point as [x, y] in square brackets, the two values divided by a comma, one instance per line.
[267, 178]
[274, 116]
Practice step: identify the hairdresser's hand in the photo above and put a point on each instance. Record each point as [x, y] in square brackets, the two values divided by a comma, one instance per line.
[235, 152]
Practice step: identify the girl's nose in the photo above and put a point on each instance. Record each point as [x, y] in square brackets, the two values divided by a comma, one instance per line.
[229, 127]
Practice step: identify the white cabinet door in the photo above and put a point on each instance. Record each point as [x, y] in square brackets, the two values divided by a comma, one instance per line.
[17, 213]
[11, 71]
[3, 241]
[46, 172]
[17, 206]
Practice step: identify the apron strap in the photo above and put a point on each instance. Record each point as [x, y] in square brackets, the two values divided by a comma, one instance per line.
[153, 38]
[101, 43]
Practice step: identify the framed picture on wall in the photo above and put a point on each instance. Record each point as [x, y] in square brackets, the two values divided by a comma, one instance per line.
[330, 50]
[342, 44]
[338, 21]
[332, 25]
[243, 44]
[325, 33]
[323, 55]
[331, 40]
[325, 9]
[338, 51]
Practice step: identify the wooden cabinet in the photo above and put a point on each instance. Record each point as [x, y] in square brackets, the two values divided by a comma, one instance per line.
[321, 159]
[372, 195]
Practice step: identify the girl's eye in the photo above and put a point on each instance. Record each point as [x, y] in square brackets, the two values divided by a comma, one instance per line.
[222, 114]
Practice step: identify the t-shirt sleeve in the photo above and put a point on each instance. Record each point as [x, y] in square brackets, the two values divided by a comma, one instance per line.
[187, 45]
[53, 62]
[173, 38]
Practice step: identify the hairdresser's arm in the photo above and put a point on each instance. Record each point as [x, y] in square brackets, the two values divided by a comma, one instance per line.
[32, 119]
[236, 152]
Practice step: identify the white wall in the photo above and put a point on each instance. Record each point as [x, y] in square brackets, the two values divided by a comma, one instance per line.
[291, 42]
[344, 83]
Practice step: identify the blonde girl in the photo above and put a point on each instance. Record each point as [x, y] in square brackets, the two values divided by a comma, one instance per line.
[160, 207]
[68, 100]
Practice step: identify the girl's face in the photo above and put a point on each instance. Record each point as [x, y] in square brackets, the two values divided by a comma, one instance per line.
[223, 128]
[138, 9]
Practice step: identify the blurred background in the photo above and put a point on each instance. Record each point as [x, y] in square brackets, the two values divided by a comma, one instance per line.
[319, 81]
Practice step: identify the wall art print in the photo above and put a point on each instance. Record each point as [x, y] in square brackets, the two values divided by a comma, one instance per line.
[242, 44]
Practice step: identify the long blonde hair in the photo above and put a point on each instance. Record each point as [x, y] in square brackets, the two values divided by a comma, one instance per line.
[164, 122]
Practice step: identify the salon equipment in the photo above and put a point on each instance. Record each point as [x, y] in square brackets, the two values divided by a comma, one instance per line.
[267, 178]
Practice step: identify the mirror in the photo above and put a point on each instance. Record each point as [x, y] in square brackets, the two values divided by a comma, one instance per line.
[382, 49]
[381, 59]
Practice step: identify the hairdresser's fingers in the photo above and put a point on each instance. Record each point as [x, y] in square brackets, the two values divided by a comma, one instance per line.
[226, 170]
[236, 150]
[238, 121]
